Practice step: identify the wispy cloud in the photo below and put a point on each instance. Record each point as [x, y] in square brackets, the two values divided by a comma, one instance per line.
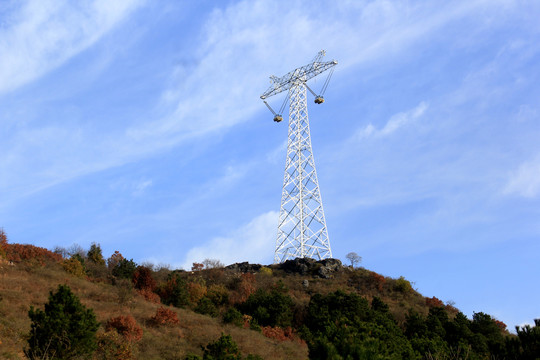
[525, 181]
[44, 34]
[253, 241]
[216, 91]
[394, 123]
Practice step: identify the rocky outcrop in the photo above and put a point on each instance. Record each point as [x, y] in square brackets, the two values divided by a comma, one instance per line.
[302, 266]
[328, 267]
[244, 267]
[306, 266]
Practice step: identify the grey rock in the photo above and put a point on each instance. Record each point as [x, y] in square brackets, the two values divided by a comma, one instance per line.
[244, 267]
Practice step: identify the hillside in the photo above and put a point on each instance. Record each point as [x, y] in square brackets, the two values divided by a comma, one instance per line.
[292, 310]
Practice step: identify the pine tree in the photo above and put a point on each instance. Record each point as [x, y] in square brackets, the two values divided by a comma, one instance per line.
[65, 330]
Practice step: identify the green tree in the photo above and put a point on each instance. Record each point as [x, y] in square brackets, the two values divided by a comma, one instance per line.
[65, 330]
[345, 326]
[529, 338]
[174, 291]
[269, 308]
[95, 255]
[223, 348]
[486, 328]
[124, 269]
[233, 316]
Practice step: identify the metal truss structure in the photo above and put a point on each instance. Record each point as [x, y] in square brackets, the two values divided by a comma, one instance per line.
[302, 226]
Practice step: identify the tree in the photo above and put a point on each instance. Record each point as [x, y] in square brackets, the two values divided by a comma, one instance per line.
[143, 279]
[95, 255]
[174, 292]
[354, 258]
[65, 330]
[3, 243]
[124, 269]
[223, 348]
[212, 264]
[530, 339]
[269, 308]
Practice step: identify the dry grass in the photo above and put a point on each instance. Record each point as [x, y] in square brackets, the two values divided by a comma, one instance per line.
[25, 285]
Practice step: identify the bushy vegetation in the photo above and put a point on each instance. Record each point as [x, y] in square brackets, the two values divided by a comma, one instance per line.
[224, 348]
[64, 330]
[355, 314]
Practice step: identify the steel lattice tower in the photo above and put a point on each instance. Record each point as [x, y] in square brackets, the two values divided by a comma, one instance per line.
[302, 226]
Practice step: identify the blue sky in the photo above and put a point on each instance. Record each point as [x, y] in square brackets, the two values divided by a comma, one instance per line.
[138, 125]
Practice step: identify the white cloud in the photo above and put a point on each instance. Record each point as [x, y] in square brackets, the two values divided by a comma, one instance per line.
[141, 186]
[396, 122]
[252, 242]
[240, 46]
[525, 181]
[45, 34]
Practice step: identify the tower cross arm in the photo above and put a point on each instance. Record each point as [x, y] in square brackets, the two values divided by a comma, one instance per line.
[304, 73]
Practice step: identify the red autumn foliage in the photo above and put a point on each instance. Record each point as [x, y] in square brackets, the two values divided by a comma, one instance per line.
[149, 295]
[281, 334]
[126, 326]
[377, 280]
[164, 316]
[500, 325]
[19, 252]
[434, 302]
[143, 279]
[114, 260]
[197, 267]
[244, 288]
[3, 238]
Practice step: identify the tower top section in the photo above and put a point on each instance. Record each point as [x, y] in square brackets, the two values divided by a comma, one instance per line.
[303, 74]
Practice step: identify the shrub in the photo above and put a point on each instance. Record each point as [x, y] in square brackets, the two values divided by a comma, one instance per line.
[377, 280]
[18, 253]
[197, 267]
[280, 334]
[174, 291]
[150, 296]
[206, 307]
[243, 287]
[218, 294]
[269, 308]
[124, 291]
[402, 285]
[164, 316]
[74, 267]
[266, 271]
[233, 316]
[196, 292]
[112, 346]
[126, 326]
[143, 279]
[65, 330]
[222, 348]
[434, 302]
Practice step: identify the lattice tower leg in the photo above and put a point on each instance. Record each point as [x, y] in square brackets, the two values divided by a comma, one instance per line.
[302, 227]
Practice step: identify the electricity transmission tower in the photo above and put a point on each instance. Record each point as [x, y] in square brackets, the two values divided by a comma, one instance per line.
[302, 227]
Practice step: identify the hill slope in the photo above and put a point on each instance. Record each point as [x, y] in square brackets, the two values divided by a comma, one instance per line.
[293, 310]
